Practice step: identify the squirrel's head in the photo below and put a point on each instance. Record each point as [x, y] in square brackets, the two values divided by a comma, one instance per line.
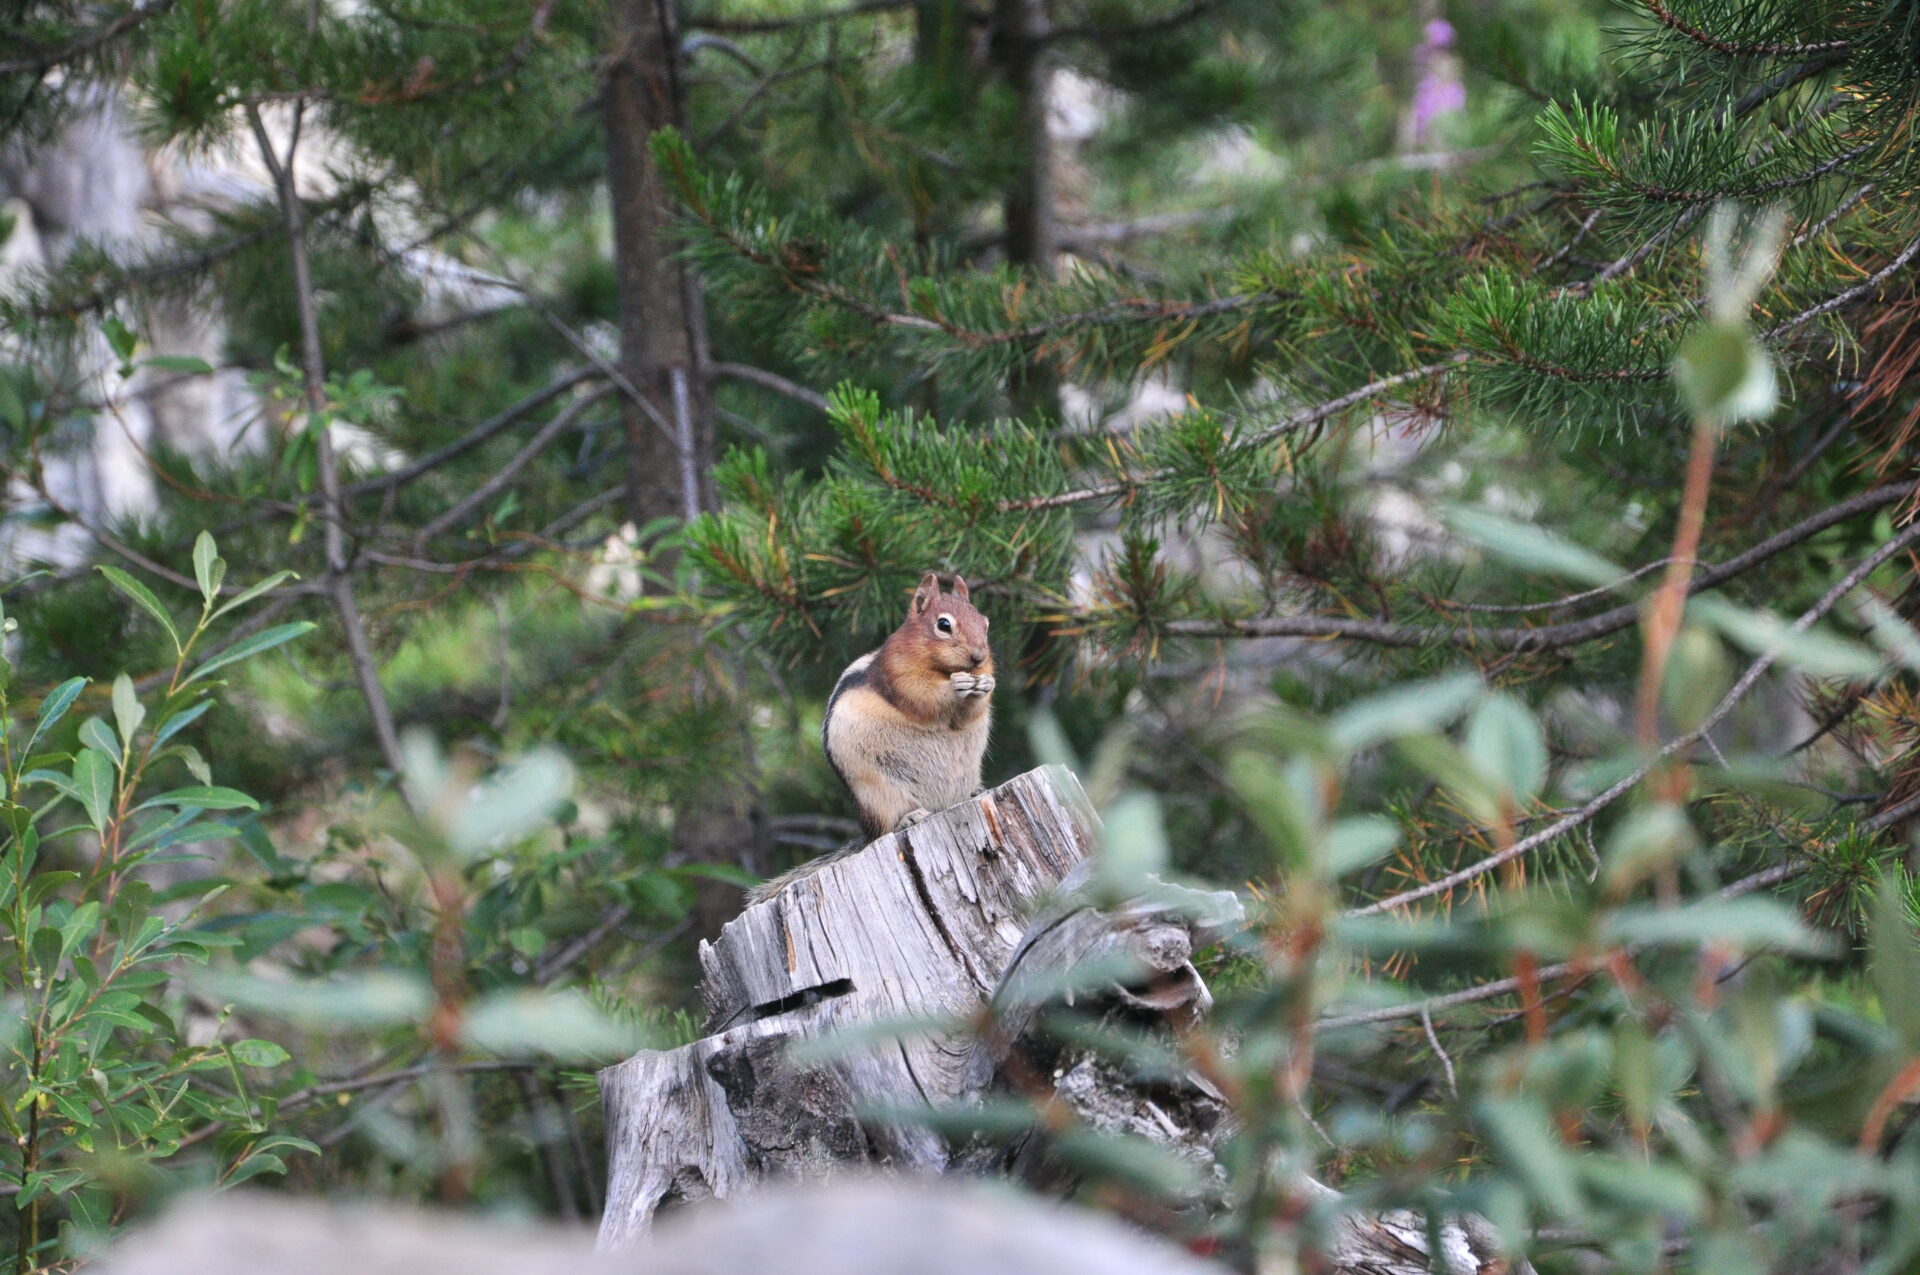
[946, 627]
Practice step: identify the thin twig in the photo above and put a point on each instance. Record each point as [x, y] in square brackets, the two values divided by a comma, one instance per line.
[770, 381]
[1298, 421]
[1433, 1038]
[464, 508]
[42, 62]
[1549, 637]
[1859, 292]
[1727, 704]
[332, 505]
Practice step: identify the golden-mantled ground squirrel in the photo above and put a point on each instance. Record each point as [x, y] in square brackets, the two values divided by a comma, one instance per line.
[906, 726]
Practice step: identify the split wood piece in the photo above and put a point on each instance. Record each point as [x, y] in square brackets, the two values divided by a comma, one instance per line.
[1128, 965]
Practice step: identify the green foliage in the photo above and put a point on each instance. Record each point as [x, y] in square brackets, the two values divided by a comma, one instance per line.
[105, 1076]
[135, 891]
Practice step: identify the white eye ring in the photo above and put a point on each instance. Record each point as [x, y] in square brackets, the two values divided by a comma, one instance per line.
[945, 623]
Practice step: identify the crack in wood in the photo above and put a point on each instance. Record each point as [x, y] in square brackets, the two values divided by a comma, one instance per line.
[934, 913]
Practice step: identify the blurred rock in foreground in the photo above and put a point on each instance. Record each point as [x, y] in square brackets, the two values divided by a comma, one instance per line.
[874, 1227]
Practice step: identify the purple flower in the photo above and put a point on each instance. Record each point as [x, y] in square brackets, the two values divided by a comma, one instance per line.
[1439, 90]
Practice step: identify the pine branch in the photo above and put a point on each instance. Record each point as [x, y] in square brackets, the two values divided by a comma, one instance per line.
[42, 61]
[764, 26]
[1737, 49]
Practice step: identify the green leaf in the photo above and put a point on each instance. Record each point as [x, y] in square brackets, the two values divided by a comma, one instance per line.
[1697, 676]
[528, 940]
[1645, 842]
[195, 763]
[262, 641]
[97, 735]
[367, 1001]
[177, 363]
[1356, 843]
[1895, 966]
[1724, 375]
[52, 778]
[1894, 635]
[1505, 743]
[258, 1053]
[120, 338]
[1647, 1188]
[253, 591]
[54, 707]
[83, 924]
[12, 411]
[1049, 742]
[512, 802]
[143, 596]
[1741, 924]
[1133, 842]
[1285, 816]
[1418, 709]
[1476, 793]
[253, 1166]
[1809, 650]
[1532, 548]
[128, 712]
[203, 798]
[93, 785]
[1144, 1165]
[208, 567]
[1522, 1132]
[180, 721]
[1634, 1075]
[560, 1024]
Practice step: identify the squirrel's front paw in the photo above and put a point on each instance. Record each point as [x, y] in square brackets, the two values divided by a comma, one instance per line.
[971, 685]
[912, 817]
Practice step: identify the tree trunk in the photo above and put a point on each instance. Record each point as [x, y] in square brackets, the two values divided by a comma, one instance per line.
[668, 424]
[666, 406]
[1020, 32]
[932, 926]
[1019, 47]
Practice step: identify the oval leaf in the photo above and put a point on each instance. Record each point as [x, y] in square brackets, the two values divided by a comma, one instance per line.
[203, 798]
[258, 1053]
[262, 641]
[142, 596]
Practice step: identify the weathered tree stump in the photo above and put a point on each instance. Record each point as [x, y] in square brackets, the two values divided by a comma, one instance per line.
[973, 926]
[918, 925]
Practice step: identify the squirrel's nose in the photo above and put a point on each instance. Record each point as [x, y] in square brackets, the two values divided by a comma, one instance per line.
[979, 655]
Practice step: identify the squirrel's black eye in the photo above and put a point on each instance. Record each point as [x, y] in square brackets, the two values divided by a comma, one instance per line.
[944, 624]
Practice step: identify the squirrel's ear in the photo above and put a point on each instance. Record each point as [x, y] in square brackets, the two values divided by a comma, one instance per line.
[924, 595]
[960, 589]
